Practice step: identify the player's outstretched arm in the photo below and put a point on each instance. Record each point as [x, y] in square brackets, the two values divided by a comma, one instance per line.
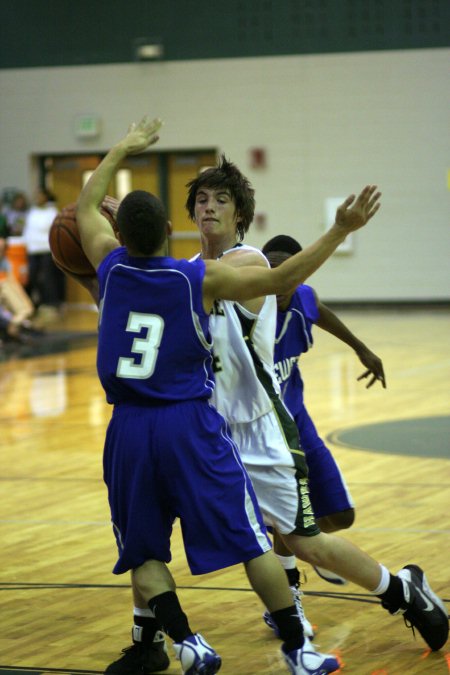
[95, 231]
[332, 324]
[244, 283]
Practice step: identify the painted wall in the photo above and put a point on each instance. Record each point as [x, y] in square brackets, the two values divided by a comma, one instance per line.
[329, 124]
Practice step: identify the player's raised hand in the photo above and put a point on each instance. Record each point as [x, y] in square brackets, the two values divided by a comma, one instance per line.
[355, 213]
[141, 135]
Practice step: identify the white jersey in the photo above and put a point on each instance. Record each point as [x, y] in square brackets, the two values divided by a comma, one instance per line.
[247, 394]
[241, 394]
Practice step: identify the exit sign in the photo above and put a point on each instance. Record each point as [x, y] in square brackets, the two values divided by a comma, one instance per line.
[87, 126]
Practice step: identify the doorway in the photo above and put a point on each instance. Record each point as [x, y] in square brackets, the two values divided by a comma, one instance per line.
[163, 174]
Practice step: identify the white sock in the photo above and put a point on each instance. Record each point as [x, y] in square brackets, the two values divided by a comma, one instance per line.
[288, 562]
[384, 581]
[143, 612]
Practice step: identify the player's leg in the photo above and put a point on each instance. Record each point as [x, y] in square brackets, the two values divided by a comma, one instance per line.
[266, 447]
[288, 562]
[137, 493]
[286, 506]
[148, 652]
[156, 586]
[269, 582]
[406, 593]
[330, 498]
[218, 499]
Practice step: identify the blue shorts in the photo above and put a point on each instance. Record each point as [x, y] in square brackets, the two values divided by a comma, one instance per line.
[177, 460]
[327, 488]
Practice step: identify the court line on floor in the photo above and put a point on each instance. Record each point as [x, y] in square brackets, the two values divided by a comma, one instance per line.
[36, 670]
[29, 585]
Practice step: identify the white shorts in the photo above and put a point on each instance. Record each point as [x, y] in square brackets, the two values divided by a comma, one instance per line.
[269, 449]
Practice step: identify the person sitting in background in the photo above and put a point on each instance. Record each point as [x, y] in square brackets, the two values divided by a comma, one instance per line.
[16, 307]
[46, 284]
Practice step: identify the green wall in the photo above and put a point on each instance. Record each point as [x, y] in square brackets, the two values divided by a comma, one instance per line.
[84, 32]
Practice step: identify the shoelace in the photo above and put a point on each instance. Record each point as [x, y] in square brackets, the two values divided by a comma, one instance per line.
[298, 602]
[408, 624]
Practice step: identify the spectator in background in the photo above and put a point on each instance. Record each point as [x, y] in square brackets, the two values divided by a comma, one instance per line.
[16, 213]
[16, 307]
[46, 284]
[3, 227]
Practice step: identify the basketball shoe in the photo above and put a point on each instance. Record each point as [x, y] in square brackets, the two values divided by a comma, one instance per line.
[422, 608]
[141, 657]
[197, 656]
[308, 630]
[306, 661]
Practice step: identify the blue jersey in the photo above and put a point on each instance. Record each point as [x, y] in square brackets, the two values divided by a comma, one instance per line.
[327, 488]
[154, 342]
[294, 337]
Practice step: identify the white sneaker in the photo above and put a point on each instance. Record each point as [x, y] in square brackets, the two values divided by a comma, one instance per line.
[331, 577]
[308, 630]
[197, 656]
[306, 661]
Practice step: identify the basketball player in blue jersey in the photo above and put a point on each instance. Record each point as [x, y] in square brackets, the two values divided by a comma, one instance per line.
[221, 202]
[297, 313]
[168, 452]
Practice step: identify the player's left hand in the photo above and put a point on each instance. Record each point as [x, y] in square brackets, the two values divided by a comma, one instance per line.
[141, 135]
[374, 367]
[356, 212]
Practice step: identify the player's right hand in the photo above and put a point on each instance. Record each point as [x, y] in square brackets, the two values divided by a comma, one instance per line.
[141, 135]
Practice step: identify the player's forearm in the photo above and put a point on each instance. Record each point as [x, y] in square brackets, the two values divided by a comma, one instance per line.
[332, 324]
[286, 277]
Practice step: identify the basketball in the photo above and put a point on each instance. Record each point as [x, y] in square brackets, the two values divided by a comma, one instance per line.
[64, 238]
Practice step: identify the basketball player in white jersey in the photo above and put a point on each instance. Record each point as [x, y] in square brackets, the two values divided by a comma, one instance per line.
[221, 202]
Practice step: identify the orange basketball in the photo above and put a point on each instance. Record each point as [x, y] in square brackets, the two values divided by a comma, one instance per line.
[65, 242]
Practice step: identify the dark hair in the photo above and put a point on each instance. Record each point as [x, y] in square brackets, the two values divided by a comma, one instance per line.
[50, 197]
[142, 221]
[226, 175]
[282, 243]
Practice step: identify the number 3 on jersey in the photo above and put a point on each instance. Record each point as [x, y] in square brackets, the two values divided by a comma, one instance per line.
[146, 346]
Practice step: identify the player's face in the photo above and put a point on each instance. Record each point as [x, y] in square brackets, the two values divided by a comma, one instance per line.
[215, 212]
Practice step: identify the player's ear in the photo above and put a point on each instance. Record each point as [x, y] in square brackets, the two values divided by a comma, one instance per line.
[169, 228]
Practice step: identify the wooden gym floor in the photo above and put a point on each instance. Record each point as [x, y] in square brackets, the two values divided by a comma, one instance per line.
[61, 609]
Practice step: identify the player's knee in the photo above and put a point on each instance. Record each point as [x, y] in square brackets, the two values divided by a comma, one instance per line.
[334, 522]
[309, 549]
[344, 519]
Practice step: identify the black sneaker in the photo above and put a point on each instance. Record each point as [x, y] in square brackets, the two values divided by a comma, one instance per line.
[422, 608]
[142, 658]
